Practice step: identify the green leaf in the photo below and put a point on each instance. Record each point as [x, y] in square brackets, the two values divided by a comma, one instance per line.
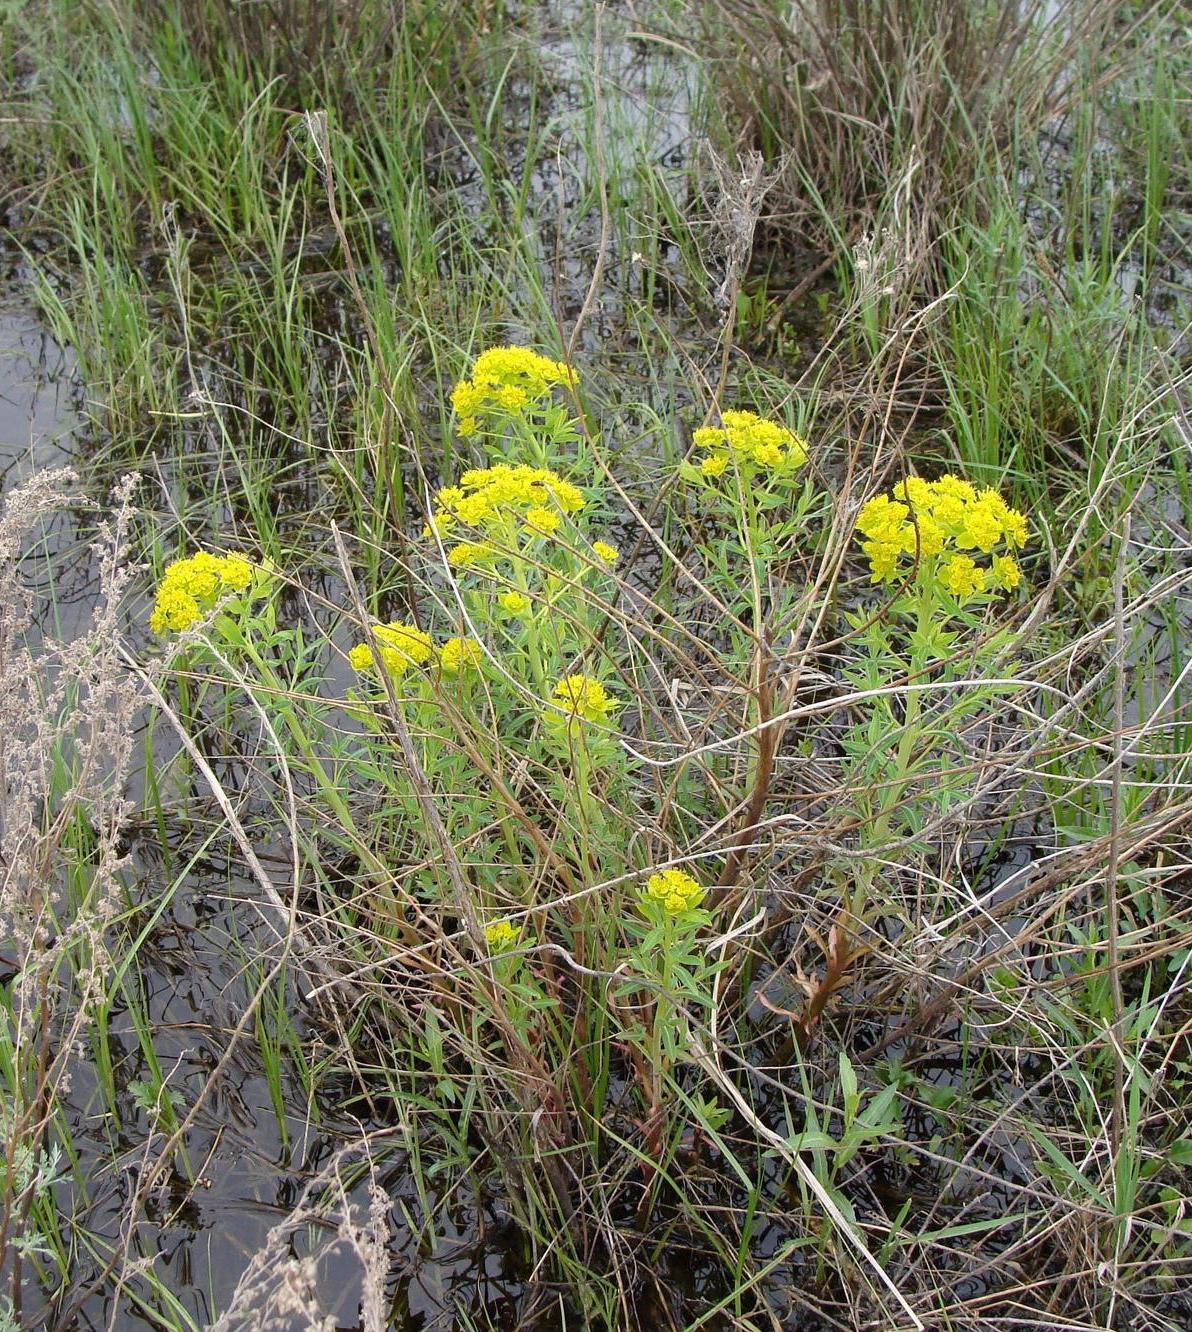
[1067, 1168]
[812, 1141]
[1180, 1153]
[848, 1087]
[877, 1114]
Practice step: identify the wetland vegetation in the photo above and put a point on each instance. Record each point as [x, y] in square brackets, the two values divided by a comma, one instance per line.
[594, 703]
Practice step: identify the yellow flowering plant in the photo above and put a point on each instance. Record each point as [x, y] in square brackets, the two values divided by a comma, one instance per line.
[527, 1002]
[668, 980]
[947, 552]
[511, 558]
[205, 601]
[221, 611]
[755, 504]
[191, 588]
[754, 550]
[515, 541]
[514, 395]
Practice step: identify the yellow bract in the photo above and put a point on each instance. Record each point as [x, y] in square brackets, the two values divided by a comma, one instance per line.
[516, 603]
[1005, 572]
[544, 521]
[506, 380]
[580, 696]
[468, 553]
[459, 654]
[190, 587]
[501, 936]
[922, 519]
[675, 889]
[402, 646]
[962, 577]
[752, 442]
[605, 553]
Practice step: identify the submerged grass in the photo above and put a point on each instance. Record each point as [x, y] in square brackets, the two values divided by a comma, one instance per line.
[746, 942]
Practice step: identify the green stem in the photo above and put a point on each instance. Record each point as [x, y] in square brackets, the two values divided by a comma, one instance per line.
[879, 829]
[662, 1014]
[284, 708]
[533, 636]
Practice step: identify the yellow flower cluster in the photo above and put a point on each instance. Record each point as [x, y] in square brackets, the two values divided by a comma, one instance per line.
[493, 500]
[930, 519]
[516, 603]
[506, 380]
[458, 655]
[751, 442]
[190, 587]
[501, 936]
[404, 645]
[581, 697]
[676, 890]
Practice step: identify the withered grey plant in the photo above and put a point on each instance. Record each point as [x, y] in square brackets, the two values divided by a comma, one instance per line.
[68, 714]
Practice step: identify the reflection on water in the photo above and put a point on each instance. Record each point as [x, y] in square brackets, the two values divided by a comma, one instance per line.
[37, 419]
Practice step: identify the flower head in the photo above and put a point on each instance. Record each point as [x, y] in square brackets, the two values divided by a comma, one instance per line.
[501, 936]
[515, 603]
[459, 654]
[544, 521]
[981, 526]
[468, 553]
[361, 657]
[190, 587]
[675, 889]
[920, 520]
[1005, 572]
[492, 502]
[883, 519]
[605, 553]
[962, 577]
[754, 442]
[506, 381]
[401, 646]
[580, 697]
[236, 574]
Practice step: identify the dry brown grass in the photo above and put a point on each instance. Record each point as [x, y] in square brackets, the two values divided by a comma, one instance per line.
[892, 107]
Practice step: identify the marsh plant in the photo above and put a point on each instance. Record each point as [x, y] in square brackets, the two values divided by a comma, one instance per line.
[569, 921]
[717, 816]
[69, 711]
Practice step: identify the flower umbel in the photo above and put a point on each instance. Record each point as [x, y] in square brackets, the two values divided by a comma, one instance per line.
[501, 936]
[920, 520]
[962, 577]
[459, 654]
[581, 697]
[506, 381]
[514, 602]
[753, 442]
[190, 587]
[676, 890]
[493, 501]
[402, 646]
